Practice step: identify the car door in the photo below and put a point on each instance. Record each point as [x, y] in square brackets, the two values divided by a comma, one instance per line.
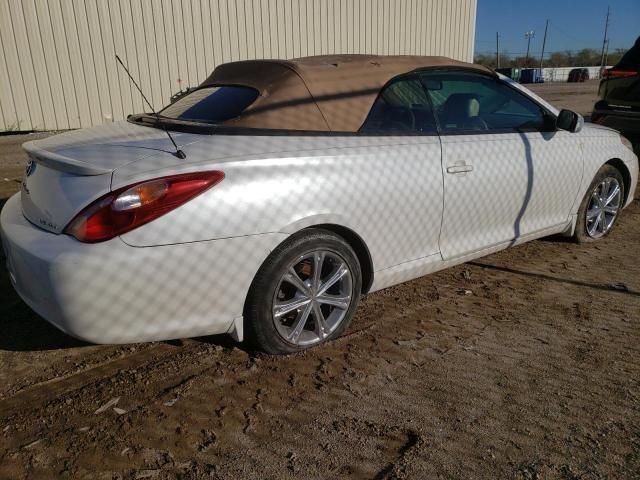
[505, 175]
[407, 171]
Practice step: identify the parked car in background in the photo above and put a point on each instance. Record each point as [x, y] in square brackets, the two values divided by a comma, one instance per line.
[578, 75]
[301, 185]
[619, 96]
[512, 73]
[531, 75]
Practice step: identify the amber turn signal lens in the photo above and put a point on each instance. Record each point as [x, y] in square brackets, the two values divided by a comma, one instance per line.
[140, 195]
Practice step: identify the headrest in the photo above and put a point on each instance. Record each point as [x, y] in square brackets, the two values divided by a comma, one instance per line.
[462, 105]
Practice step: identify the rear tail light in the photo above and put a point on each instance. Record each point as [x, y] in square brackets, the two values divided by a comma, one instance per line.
[130, 207]
[619, 73]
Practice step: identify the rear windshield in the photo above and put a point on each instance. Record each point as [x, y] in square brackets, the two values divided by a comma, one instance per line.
[211, 104]
[631, 59]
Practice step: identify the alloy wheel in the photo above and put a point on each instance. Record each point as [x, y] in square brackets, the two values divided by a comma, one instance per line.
[603, 207]
[312, 297]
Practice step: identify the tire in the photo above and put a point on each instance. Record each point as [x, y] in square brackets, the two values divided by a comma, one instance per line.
[270, 322]
[584, 227]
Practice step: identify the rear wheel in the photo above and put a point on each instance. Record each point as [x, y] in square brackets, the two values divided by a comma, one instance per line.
[600, 206]
[304, 294]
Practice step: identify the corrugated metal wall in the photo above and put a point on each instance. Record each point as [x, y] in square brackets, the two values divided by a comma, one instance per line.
[57, 57]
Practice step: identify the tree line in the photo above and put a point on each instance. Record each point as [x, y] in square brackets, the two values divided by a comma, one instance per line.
[587, 57]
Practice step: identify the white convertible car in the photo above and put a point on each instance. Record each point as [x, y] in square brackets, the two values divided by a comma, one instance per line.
[295, 187]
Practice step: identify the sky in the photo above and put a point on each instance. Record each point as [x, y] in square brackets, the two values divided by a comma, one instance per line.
[573, 24]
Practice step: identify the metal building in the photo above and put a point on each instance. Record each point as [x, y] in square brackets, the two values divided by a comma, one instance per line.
[57, 57]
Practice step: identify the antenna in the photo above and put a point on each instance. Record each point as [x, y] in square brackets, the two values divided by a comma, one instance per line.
[178, 153]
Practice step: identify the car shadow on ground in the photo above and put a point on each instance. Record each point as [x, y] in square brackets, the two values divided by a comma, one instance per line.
[23, 330]
[224, 341]
[618, 287]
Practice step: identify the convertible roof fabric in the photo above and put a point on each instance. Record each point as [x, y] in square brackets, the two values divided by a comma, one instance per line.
[332, 93]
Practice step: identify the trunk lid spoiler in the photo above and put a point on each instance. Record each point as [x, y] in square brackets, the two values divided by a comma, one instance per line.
[62, 163]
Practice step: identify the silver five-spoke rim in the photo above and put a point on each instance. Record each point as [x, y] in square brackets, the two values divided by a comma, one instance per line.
[312, 298]
[603, 207]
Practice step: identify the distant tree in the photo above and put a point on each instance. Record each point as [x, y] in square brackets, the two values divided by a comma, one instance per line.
[521, 62]
[615, 56]
[570, 58]
[586, 57]
[485, 60]
[557, 59]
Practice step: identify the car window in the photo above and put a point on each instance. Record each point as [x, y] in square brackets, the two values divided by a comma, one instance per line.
[472, 103]
[402, 108]
[211, 104]
[631, 59]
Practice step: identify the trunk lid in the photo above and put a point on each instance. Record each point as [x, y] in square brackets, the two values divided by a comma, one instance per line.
[66, 172]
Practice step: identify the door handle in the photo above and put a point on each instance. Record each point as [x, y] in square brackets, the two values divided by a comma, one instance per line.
[460, 168]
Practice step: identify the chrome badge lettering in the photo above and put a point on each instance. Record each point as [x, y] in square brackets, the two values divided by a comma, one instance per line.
[31, 167]
[46, 223]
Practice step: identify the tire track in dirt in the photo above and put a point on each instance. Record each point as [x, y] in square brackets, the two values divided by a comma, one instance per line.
[36, 396]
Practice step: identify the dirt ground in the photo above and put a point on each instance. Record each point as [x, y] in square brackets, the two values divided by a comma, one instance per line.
[521, 365]
[578, 97]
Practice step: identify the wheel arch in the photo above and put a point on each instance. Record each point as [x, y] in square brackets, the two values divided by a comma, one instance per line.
[626, 175]
[358, 245]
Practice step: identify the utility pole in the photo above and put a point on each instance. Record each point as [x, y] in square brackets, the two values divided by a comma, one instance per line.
[544, 42]
[604, 39]
[497, 50]
[528, 35]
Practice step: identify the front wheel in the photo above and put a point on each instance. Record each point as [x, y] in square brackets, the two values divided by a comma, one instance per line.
[600, 206]
[304, 294]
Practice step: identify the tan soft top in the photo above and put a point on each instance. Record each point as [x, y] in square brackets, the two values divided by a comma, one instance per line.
[325, 93]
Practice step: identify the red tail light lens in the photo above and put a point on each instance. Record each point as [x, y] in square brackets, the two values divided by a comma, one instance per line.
[619, 73]
[130, 207]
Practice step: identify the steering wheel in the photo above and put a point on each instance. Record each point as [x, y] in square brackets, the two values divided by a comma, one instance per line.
[476, 123]
[407, 123]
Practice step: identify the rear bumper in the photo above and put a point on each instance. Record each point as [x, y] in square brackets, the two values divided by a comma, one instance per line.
[111, 292]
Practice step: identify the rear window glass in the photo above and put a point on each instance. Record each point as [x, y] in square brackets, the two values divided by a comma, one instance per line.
[402, 108]
[631, 59]
[211, 104]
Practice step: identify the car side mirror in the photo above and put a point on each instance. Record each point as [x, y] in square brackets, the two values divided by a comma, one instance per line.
[569, 121]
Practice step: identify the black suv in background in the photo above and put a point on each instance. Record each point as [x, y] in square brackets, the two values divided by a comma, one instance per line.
[619, 92]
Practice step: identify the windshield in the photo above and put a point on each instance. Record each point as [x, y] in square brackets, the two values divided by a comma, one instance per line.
[211, 104]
